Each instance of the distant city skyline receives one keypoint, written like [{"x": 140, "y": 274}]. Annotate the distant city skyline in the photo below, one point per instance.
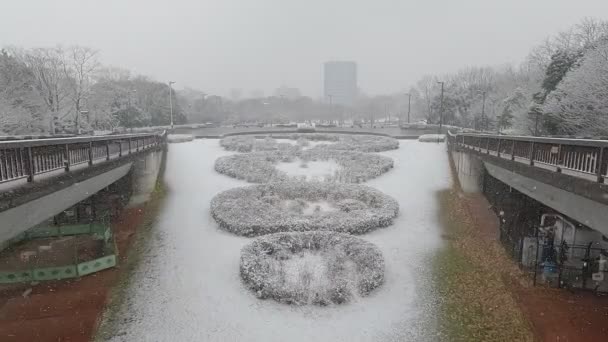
[{"x": 215, "y": 46}]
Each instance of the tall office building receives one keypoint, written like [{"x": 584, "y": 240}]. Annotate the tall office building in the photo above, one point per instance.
[{"x": 340, "y": 82}]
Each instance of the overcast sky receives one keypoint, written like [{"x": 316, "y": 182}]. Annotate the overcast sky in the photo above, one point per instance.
[{"x": 217, "y": 45}]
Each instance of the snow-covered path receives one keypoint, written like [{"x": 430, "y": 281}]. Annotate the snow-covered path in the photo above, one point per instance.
[{"x": 188, "y": 288}]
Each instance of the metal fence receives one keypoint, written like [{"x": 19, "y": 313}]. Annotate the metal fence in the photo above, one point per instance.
[
  {"x": 584, "y": 158},
  {"x": 28, "y": 158}
]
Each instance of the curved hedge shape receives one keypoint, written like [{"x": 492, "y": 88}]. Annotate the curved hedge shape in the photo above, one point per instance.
[
  {"x": 179, "y": 138},
  {"x": 311, "y": 267},
  {"x": 343, "y": 142},
  {"x": 260, "y": 167},
  {"x": 298, "y": 206},
  {"x": 249, "y": 143},
  {"x": 432, "y": 138}
]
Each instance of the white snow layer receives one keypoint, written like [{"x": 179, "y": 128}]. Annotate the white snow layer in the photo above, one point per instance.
[{"x": 187, "y": 286}]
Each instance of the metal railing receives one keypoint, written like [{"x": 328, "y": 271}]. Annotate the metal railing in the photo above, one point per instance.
[
  {"x": 584, "y": 158},
  {"x": 28, "y": 158}
]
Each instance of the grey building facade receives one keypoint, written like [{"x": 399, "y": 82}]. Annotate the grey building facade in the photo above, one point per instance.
[{"x": 340, "y": 82}]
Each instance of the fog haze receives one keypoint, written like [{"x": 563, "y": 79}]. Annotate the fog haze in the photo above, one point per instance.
[{"x": 217, "y": 45}]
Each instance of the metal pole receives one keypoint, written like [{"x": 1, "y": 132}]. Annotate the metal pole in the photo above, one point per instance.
[
  {"x": 441, "y": 108},
  {"x": 331, "y": 106},
  {"x": 409, "y": 105},
  {"x": 171, "y": 102},
  {"x": 483, "y": 113}
]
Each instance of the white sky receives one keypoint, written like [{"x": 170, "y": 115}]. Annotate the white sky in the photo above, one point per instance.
[{"x": 217, "y": 45}]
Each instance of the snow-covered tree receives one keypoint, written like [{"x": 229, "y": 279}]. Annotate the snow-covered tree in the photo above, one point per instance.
[{"x": 580, "y": 102}]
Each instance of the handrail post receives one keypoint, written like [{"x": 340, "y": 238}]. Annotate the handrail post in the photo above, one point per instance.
[
  {"x": 513, "y": 150},
  {"x": 66, "y": 162},
  {"x": 107, "y": 150},
  {"x": 90, "y": 153},
  {"x": 498, "y": 148},
  {"x": 31, "y": 168},
  {"x": 560, "y": 158},
  {"x": 600, "y": 166},
  {"x": 119, "y": 148},
  {"x": 488, "y": 146},
  {"x": 532, "y": 152},
  {"x": 129, "y": 140}
]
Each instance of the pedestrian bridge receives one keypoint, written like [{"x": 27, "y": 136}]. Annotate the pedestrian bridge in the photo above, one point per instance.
[
  {"x": 39, "y": 178},
  {"x": 567, "y": 175}
]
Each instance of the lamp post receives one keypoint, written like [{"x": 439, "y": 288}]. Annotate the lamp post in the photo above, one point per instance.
[
  {"x": 171, "y": 102},
  {"x": 331, "y": 106},
  {"x": 409, "y": 105},
  {"x": 441, "y": 108},
  {"x": 483, "y": 112}
]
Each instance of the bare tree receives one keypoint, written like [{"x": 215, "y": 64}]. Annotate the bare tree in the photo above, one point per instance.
[
  {"x": 79, "y": 65},
  {"x": 49, "y": 81}
]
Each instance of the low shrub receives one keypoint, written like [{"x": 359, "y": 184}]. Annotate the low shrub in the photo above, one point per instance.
[
  {"x": 260, "y": 167},
  {"x": 311, "y": 267},
  {"x": 179, "y": 138},
  {"x": 249, "y": 143},
  {"x": 432, "y": 138},
  {"x": 342, "y": 142},
  {"x": 303, "y": 206}
]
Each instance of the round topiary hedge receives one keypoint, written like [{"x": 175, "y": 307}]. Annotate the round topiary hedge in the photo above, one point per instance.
[
  {"x": 311, "y": 267},
  {"x": 249, "y": 143},
  {"x": 179, "y": 138},
  {"x": 261, "y": 167},
  {"x": 303, "y": 206},
  {"x": 342, "y": 142}
]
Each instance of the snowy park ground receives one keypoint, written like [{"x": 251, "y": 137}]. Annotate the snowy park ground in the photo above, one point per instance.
[{"x": 188, "y": 288}]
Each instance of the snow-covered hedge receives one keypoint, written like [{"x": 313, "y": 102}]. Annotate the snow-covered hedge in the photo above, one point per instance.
[
  {"x": 260, "y": 167},
  {"x": 432, "y": 138},
  {"x": 179, "y": 138},
  {"x": 351, "y": 142},
  {"x": 343, "y": 142},
  {"x": 311, "y": 267},
  {"x": 303, "y": 206},
  {"x": 249, "y": 143}
]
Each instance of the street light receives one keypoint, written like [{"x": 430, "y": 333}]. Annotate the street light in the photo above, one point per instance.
[
  {"x": 331, "y": 106},
  {"x": 483, "y": 112},
  {"x": 171, "y": 102},
  {"x": 441, "y": 108},
  {"x": 409, "y": 104}
]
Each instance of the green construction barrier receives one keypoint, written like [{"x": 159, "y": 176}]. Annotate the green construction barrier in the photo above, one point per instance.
[
  {"x": 42, "y": 232},
  {"x": 96, "y": 265},
  {"x": 98, "y": 229},
  {"x": 55, "y": 273},
  {"x": 75, "y": 229},
  {"x": 11, "y": 277}
]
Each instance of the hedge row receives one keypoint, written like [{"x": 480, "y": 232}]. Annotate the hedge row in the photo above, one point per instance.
[
  {"x": 342, "y": 267},
  {"x": 260, "y": 167},
  {"x": 279, "y": 207},
  {"x": 342, "y": 142}
]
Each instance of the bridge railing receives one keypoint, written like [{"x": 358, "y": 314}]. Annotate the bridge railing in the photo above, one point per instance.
[
  {"x": 583, "y": 158},
  {"x": 28, "y": 158}
]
